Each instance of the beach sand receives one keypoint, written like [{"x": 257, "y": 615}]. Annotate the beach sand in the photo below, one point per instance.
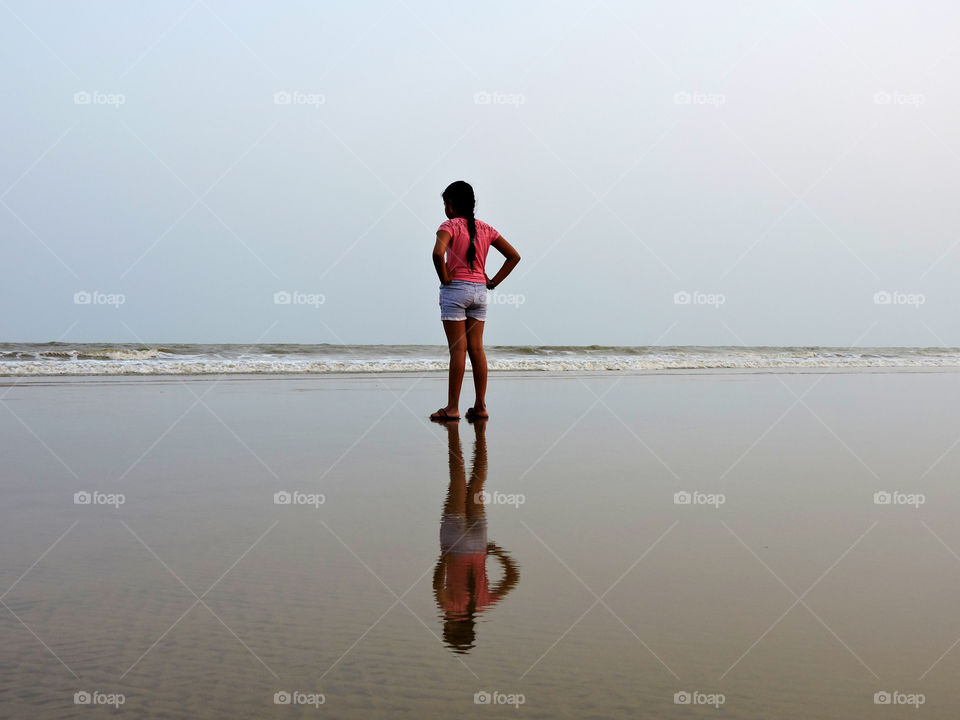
[{"x": 199, "y": 597}]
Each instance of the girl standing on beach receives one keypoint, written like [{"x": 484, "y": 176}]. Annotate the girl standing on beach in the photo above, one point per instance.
[{"x": 459, "y": 257}]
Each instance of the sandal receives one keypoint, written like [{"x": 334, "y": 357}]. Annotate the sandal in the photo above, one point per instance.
[
  {"x": 472, "y": 415},
  {"x": 441, "y": 416}
]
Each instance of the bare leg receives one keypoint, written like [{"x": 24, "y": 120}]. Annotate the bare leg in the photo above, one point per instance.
[
  {"x": 457, "y": 342},
  {"x": 478, "y": 359},
  {"x": 457, "y": 492}
]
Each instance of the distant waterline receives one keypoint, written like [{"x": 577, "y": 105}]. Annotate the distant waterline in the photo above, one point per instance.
[{"x": 37, "y": 359}]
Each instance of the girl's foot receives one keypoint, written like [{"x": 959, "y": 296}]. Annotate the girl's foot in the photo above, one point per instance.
[
  {"x": 475, "y": 413},
  {"x": 442, "y": 415}
]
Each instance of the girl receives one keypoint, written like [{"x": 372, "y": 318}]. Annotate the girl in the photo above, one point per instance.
[
  {"x": 459, "y": 257},
  {"x": 461, "y": 586}
]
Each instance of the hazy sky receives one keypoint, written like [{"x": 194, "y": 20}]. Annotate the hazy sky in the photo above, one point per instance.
[{"x": 781, "y": 162}]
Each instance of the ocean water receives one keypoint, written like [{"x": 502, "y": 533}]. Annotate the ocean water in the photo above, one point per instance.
[{"x": 37, "y": 359}]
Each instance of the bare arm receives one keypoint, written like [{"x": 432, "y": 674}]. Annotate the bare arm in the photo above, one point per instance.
[
  {"x": 511, "y": 575},
  {"x": 512, "y": 259},
  {"x": 439, "y": 253}
]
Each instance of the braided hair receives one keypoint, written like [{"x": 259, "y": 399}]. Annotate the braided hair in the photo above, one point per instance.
[{"x": 459, "y": 195}]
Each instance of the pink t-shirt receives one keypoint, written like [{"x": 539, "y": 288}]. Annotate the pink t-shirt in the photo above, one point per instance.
[{"x": 460, "y": 242}]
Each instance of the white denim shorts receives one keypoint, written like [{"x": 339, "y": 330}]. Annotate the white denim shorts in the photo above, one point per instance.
[
  {"x": 460, "y": 534},
  {"x": 460, "y": 299}
]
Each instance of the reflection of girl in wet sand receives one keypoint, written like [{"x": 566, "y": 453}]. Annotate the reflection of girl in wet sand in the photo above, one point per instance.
[{"x": 460, "y": 583}]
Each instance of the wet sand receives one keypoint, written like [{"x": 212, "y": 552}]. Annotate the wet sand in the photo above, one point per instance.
[{"x": 199, "y": 597}]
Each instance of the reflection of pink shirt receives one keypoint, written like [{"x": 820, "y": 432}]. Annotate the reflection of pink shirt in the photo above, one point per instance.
[
  {"x": 457, "y": 250},
  {"x": 466, "y": 580}
]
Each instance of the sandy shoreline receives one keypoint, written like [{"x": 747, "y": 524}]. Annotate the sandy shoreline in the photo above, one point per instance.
[
  {"x": 696, "y": 597},
  {"x": 8, "y": 380}
]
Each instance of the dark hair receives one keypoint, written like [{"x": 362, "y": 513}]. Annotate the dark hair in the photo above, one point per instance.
[
  {"x": 459, "y": 634},
  {"x": 460, "y": 196}
]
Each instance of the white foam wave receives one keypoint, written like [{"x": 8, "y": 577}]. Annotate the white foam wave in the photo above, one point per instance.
[{"x": 155, "y": 362}]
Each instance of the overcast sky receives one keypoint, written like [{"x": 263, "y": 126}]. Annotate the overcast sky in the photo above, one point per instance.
[{"x": 779, "y": 162}]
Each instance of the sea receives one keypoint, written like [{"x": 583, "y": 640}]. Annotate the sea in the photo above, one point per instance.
[{"x": 57, "y": 358}]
